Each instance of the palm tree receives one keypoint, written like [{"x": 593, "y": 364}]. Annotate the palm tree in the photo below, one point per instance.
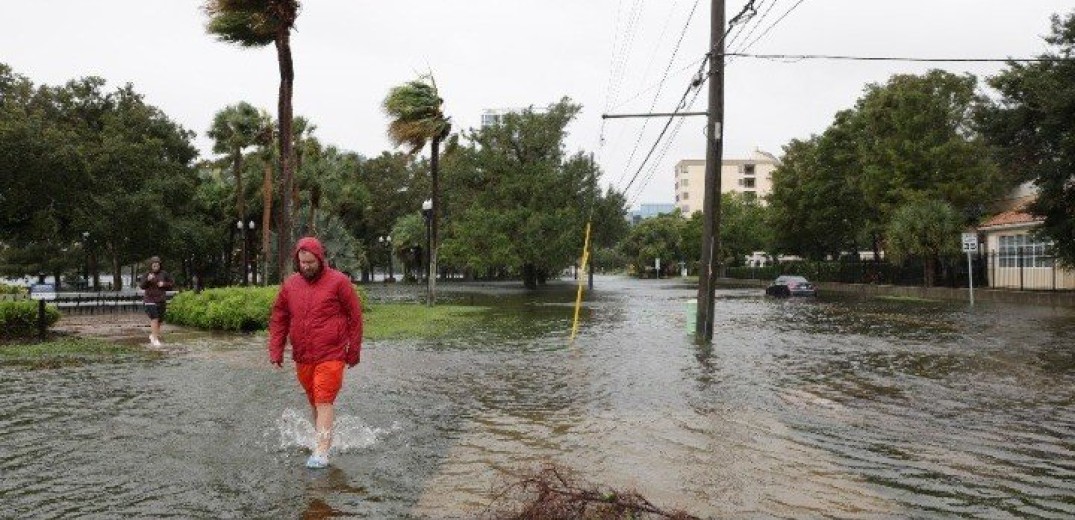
[
  {"x": 265, "y": 154},
  {"x": 306, "y": 146},
  {"x": 234, "y": 129},
  {"x": 417, "y": 118},
  {"x": 257, "y": 23}
]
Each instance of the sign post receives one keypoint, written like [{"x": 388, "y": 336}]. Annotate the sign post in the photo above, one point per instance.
[{"x": 970, "y": 245}]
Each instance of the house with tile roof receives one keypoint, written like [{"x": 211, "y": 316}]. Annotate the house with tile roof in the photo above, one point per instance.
[{"x": 1016, "y": 259}]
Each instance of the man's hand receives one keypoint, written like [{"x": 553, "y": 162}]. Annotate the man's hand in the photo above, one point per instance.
[
  {"x": 160, "y": 284},
  {"x": 150, "y": 276}
]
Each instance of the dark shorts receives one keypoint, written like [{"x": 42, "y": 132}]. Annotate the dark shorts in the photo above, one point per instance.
[{"x": 155, "y": 311}]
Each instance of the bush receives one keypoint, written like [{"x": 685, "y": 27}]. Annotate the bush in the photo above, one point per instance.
[
  {"x": 19, "y": 319},
  {"x": 240, "y": 309},
  {"x": 12, "y": 289}
]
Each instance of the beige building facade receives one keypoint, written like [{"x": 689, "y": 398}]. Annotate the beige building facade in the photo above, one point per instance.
[
  {"x": 752, "y": 176},
  {"x": 1015, "y": 257}
]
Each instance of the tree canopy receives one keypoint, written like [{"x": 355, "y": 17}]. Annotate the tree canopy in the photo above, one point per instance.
[{"x": 1032, "y": 128}]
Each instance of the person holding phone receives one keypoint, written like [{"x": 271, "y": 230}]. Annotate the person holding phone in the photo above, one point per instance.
[{"x": 156, "y": 284}]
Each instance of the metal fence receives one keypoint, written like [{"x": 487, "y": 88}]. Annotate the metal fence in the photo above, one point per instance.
[
  {"x": 1023, "y": 269},
  {"x": 89, "y": 302}
]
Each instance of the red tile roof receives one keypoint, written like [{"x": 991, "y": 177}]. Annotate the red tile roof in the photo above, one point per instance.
[{"x": 1009, "y": 218}]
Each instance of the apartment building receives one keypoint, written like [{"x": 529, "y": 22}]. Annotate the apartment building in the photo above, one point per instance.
[
  {"x": 494, "y": 116},
  {"x": 752, "y": 176}
]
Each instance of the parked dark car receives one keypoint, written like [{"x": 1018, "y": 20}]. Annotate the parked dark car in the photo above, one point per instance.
[{"x": 791, "y": 286}]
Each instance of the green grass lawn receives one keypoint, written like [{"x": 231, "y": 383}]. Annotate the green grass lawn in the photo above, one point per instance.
[
  {"x": 416, "y": 321},
  {"x": 385, "y": 321},
  {"x": 66, "y": 351}
]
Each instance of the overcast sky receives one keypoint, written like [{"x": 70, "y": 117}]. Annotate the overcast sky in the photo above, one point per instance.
[{"x": 605, "y": 54}]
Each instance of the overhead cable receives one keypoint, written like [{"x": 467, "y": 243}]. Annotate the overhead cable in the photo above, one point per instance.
[{"x": 800, "y": 57}]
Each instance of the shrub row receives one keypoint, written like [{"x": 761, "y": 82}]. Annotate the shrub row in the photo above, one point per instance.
[
  {"x": 240, "y": 309},
  {"x": 12, "y": 289},
  {"x": 19, "y": 319}
]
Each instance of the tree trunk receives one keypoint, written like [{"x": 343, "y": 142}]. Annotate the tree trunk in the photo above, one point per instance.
[
  {"x": 529, "y": 276},
  {"x": 287, "y": 173},
  {"x": 117, "y": 273},
  {"x": 929, "y": 270},
  {"x": 240, "y": 196},
  {"x": 434, "y": 165},
  {"x": 266, "y": 221}
]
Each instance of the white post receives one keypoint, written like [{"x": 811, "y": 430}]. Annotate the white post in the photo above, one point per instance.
[
  {"x": 970, "y": 278},
  {"x": 970, "y": 245}
]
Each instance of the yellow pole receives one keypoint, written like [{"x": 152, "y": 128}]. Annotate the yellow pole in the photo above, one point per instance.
[{"x": 581, "y": 276}]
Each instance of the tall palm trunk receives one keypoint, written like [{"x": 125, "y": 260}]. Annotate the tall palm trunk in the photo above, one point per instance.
[
  {"x": 434, "y": 166},
  {"x": 266, "y": 220},
  {"x": 237, "y": 171},
  {"x": 287, "y": 79}
]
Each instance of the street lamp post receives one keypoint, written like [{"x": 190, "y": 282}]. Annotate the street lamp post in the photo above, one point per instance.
[
  {"x": 242, "y": 238},
  {"x": 427, "y": 214},
  {"x": 252, "y": 259},
  {"x": 86, "y": 258},
  {"x": 245, "y": 232},
  {"x": 386, "y": 241}
]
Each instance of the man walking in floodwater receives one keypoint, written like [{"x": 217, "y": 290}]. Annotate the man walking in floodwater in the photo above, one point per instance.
[
  {"x": 156, "y": 284},
  {"x": 319, "y": 311}
]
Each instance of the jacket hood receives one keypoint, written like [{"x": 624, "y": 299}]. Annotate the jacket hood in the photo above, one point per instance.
[{"x": 310, "y": 245}]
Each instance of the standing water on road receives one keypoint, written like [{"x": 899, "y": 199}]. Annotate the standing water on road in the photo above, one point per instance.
[{"x": 799, "y": 408}]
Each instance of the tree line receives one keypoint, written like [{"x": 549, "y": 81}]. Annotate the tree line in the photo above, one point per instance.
[
  {"x": 96, "y": 180},
  {"x": 916, "y": 161},
  {"x": 101, "y": 179}
]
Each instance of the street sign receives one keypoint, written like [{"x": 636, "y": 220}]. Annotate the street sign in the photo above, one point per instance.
[
  {"x": 970, "y": 242},
  {"x": 43, "y": 291},
  {"x": 970, "y": 245}
]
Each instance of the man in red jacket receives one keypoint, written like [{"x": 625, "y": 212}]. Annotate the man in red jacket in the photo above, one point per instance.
[{"x": 318, "y": 310}]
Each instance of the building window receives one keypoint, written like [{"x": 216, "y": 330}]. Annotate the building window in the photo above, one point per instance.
[
  {"x": 683, "y": 182},
  {"x": 747, "y": 169},
  {"x": 1022, "y": 251},
  {"x": 747, "y": 183},
  {"x": 684, "y": 196}
]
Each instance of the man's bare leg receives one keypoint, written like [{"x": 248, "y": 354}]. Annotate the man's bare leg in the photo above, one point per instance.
[{"x": 324, "y": 416}]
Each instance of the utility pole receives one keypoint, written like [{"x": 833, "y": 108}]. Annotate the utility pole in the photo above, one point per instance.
[{"x": 713, "y": 156}]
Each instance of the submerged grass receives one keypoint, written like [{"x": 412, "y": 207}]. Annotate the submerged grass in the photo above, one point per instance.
[
  {"x": 65, "y": 351},
  {"x": 417, "y": 321},
  {"x": 905, "y": 299}
]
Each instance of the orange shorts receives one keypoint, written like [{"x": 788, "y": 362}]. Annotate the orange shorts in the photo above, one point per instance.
[{"x": 322, "y": 381}]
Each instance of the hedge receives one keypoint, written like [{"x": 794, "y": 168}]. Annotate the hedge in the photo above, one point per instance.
[
  {"x": 240, "y": 309},
  {"x": 19, "y": 319}
]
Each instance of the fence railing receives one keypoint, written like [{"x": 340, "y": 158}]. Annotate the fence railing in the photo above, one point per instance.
[
  {"x": 1018, "y": 270},
  {"x": 89, "y": 302}
]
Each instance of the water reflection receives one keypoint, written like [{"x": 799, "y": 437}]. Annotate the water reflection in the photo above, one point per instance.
[{"x": 799, "y": 408}]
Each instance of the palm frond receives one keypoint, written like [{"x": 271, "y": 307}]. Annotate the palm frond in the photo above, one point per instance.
[{"x": 417, "y": 117}]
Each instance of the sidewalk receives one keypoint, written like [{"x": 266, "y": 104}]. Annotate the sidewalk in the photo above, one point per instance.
[{"x": 1048, "y": 298}]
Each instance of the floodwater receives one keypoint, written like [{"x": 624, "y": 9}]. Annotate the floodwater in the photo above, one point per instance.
[{"x": 801, "y": 408}]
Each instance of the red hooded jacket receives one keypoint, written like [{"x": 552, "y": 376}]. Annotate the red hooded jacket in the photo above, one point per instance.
[{"x": 322, "y": 317}]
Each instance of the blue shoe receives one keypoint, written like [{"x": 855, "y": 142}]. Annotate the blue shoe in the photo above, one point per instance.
[{"x": 317, "y": 461}]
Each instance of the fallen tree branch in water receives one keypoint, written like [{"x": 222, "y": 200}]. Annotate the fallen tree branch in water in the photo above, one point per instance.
[{"x": 554, "y": 493}]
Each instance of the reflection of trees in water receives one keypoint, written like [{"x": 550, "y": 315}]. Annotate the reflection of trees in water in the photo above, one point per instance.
[{"x": 333, "y": 482}]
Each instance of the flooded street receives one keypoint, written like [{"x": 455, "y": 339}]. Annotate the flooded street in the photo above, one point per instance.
[{"x": 800, "y": 408}]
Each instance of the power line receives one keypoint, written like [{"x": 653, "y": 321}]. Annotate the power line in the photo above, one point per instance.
[
  {"x": 741, "y": 28},
  {"x": 667, "y": 69},
  {"x": 756, "y": 25},
  {"x": 800, "y": 57},
  {"x": 748, "y": 8},
  {"x": 770, "y": 28}
]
